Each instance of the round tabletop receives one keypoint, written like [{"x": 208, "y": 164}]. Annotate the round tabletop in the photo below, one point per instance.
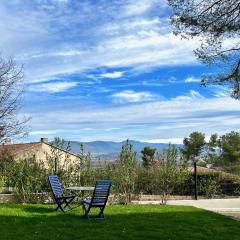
[{"x": 82, "y": 188}]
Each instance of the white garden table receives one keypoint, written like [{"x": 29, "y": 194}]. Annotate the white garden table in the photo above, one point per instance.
[{"x": 81, "y": 189}]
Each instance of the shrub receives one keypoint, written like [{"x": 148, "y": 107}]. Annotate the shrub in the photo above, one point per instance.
[
  {"x": 2, "y": 183},
  {"x": 125, "y": 177},
  {"x": 29, "y": 176},
  {"x": 209, "y": 187}
]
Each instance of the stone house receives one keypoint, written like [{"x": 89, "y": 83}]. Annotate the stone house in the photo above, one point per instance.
[{"x": 42, "y": 151}]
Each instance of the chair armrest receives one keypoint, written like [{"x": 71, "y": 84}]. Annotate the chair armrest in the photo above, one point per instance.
[
  {"x": 87, "y": 201},
  {"x": 66, "y": 197}
]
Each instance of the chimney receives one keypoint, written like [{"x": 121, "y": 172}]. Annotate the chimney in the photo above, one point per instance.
[{"x": 44, "y": 140}]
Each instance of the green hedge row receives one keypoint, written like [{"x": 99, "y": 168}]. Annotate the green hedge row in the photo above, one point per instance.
[{"x": 210, "y": 184}]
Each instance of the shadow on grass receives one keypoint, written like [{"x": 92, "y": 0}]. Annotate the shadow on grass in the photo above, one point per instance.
[
  {"x": 51, "y": 209},
  {"x": 121, "y": 223},
  {"x": 38, "y": 209}
]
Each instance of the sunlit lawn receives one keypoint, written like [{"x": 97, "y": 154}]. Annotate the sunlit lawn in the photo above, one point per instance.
[{"x": 122, "y": 222}]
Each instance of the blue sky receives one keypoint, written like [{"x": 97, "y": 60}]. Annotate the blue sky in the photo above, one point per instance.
[{"x": 110, "y": 70}]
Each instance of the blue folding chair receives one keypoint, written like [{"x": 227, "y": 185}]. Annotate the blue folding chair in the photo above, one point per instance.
[
  {"x": 59, "y": 195},
  {"x": 99, "y": 198}
]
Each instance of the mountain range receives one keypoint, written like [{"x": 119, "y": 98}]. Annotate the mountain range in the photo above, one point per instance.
[{"x": 108, "y": 150}]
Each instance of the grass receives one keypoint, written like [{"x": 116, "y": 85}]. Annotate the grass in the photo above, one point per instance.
[{"x": 122, "y": 222}]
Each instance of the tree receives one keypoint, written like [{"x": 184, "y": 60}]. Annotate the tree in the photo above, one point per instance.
[
  {"x": 6, "y": 165},
  {"x": 193, "y": 145},
  {"x": 230, "y": 150},
  {"x": 167, "y": 175},
  {"x": 148, "y": 154},
  {"x": 127, "y": 171},
  {"x": 57, "y": 159},
  {"x": 84, "y": 168},
  {"x": 11, "y": 92},
  {"x": 28, "y": 176},
  {"x": 211, "y": 150},
  {"x": 217, "y": 24}
]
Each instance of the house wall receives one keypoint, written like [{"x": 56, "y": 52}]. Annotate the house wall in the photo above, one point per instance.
[{"x": 43, "y": 152}]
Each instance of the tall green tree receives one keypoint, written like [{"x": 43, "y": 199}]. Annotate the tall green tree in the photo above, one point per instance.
[
  {"x": 216, "y": 23},
  {"x": 229, "y": 145},
  {"x": 193, "y": 145},
  {"x": 127, "y": 171},
  {"x": 28, "y": 176},
  {"x": 148, "y": 155},
  {"x": 84, "y": 168},
  {"x": 169, "y": 175},
  {"x": 7, "y": 163},
  {"x": 212, "y": 149}
]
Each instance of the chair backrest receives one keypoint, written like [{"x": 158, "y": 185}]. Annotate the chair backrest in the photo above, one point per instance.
[
  {"x": 55, "y": 186},
  {"x": 101, "y": 192}
]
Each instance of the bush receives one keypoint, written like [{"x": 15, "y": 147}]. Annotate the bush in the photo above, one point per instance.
[
  {"x": 2, "y": 183},
  {"x": 129, "y": 177},
  {"x": 125, "y": 175},
  {"x": 29, "y": 176},
  {"x": 209, "y": 187}
]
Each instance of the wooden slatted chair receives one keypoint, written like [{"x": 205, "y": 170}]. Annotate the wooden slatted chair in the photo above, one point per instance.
[
  {"x": 99, "y": 198},
  {"x": 58, "y": 194}
]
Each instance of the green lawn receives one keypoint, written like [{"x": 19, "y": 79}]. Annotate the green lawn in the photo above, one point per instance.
[{"x": 122, "y": 222}]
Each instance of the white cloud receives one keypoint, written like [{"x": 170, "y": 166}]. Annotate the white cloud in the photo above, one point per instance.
[
  {"x": 53, "y": 87},
  {"x": 55, "y": 39},
  {"x": 79, "y": 40},
  {"x": 112, "y": 129},
  {"x": 112, "y": 75},
  {"x": 192, "y": 79},
  {"x": 133, "y": 97},
  {"x": 133, "y": 24},
  {"x": 140, "y": 7},
  {"x": 87, "y": 129},
  {"x": 147, "y": 51},
  {"x": 43, "y": 132},
  {"x": 166, "y": 119},
  {"x": 194, "y": 93},
  {"x": 220, "y": 91},
  {"x": 191, "y": 95},
  {"x": 222, "y": 94}
]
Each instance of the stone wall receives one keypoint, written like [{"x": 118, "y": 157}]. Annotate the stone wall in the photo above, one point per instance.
[
  {"x": 47, "y": 198},
  {"x": 33, "y": 198},
  {"x": 9, "y": 198}
]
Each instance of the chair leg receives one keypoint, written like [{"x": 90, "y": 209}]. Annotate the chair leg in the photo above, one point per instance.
[
  {"x": 86, "y": 212},
  {"x": 59, "y": 205},
  {"x": 101, "y": 214},
  {"x": 67, "y": 204}
]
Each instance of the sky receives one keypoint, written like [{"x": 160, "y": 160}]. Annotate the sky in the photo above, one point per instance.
[{"x": 110, "y": 70}]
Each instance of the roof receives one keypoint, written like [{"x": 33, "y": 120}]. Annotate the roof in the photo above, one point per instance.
[
  {"x": 27, "y": 147},
  {"x": 22, "y": 147}
]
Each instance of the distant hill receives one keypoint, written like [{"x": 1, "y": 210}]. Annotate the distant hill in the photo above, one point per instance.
[{"x": 107, "y": 150}]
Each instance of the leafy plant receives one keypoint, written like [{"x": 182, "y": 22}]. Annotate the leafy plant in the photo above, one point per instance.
[
  {"x": 126, "y": 172},
  {"x": 148, "y": 155},
  {"x": 29, "y": 176},
  {"x": 168, "y": 173},
  {"x": 84, "y": 173}
]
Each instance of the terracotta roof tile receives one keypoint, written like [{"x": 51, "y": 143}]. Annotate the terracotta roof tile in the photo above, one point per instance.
[{"x": 18, "y": 148}]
